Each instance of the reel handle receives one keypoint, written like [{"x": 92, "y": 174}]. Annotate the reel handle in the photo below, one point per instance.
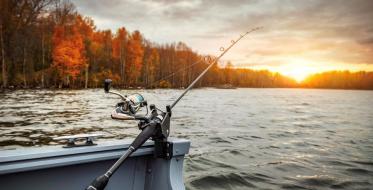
[{"x": 107, "y": 85}]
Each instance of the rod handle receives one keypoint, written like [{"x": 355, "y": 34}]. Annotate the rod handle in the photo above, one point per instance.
[
  {"x": 99, "y": 183},
  {"x": 144, "y": 136}
]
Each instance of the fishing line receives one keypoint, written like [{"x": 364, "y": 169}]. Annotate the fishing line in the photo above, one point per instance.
[
  {"x": 172, "y": 74},
  {"x": 224, "y": 50}
]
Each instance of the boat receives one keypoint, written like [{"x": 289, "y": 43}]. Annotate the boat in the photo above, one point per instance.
[
  {"x": 226, "y": 86},
  {"x": 61, "y": 168}
]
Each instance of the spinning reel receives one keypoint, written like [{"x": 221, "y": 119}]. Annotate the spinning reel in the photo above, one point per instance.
[
  {"x": 129, "y": 106},
  {"x": 156, "y": 119}
]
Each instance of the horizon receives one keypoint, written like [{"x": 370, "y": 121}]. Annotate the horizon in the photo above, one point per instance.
[{"x": 298, "y": 38}]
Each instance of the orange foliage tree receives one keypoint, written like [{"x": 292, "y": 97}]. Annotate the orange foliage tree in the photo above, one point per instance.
[
  {"x": 134, "y": 58},
  {"x": 151, "y": 65},
  {"x": 86, "y": 27},
  {"x": 119, "y": 51},
  {"x": 68, "y": 52}
]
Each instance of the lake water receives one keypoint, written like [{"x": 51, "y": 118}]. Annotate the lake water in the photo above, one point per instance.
[{"x": 241, "y": 138}]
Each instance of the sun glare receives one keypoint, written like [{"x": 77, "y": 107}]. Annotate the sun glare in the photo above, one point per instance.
[
  {"x": 298, "y": 70},
  {"x": 298, "y": 73}
]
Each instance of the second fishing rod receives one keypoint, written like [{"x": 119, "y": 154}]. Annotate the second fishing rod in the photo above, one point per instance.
[{"x": 155, "y": 124}]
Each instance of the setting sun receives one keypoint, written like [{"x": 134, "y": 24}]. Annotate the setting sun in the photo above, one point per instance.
[
  {"x": 298, "y": 69},
  {"x": 298, "y": 73}
]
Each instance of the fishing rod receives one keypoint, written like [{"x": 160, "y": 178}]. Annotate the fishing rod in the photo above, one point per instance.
[
  {"x": 211, "y": 64},
  {"x": 154, "y": 124}
]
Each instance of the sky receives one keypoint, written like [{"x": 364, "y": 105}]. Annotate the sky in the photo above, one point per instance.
[{"x": 299, "y": 37}]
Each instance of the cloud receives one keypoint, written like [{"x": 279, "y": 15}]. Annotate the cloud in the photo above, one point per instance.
[
  {"x": 318, "y": 30},
  {"x": 368, "y": 41}
]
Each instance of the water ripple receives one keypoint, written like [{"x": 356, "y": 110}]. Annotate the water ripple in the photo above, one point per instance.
[{"x": 241, "y": 139}]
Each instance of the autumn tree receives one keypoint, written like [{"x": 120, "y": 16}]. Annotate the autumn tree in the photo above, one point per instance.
[
  {"x": 68, "y": 53},
  {"x": 228, "y": 73},
  {"x": 119, "y": 51},
  {"x": 17, "y": 22},
  {"x": 340, "y": 80},
  {"x": 182, "y": 58},
  {"x": 150, "y": 65},
  {"x": 134, "y": 58},
  {"x": 85, "y": 26}
]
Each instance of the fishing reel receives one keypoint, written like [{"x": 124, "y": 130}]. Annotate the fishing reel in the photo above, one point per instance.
[
  {"x": 128, "y": 107},
  {"x": 156, "y": 119}
]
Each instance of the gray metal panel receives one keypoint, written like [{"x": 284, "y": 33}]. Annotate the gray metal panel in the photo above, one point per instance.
[
  {"x": 72, "y": 177},
  {"x": 64, "y": 160},
  {"x": 166, "y": 174},
  {"x": 60, "y": 169},
  {"x": 139, "y": 173},
  {"x": 42, "y": 152},
  {"x": 176, "y": 173},
  {"x": 39, "y": 158}
]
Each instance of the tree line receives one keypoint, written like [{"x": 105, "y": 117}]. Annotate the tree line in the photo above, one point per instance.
[
  {"x": 48, "y": 44},
  {"x": 340, "y": 80}
]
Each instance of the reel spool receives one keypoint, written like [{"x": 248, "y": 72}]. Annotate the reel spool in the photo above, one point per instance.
[
  {"x": 129, "y": 106},
  {"x": 134, "y": 103},
  {"x": 127, "y": 109}
]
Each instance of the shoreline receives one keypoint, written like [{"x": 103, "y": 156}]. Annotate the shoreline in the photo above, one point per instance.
[{"x": 216, "y": 87}]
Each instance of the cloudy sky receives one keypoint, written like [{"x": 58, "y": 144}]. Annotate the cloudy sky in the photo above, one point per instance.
[{"x": 298, "y": 36}]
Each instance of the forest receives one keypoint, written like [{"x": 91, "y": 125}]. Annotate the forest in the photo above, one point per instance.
[{"x": 48, "y": 44}]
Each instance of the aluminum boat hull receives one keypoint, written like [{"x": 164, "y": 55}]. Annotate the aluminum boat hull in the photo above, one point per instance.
[{"x": 58, "y": 168}]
